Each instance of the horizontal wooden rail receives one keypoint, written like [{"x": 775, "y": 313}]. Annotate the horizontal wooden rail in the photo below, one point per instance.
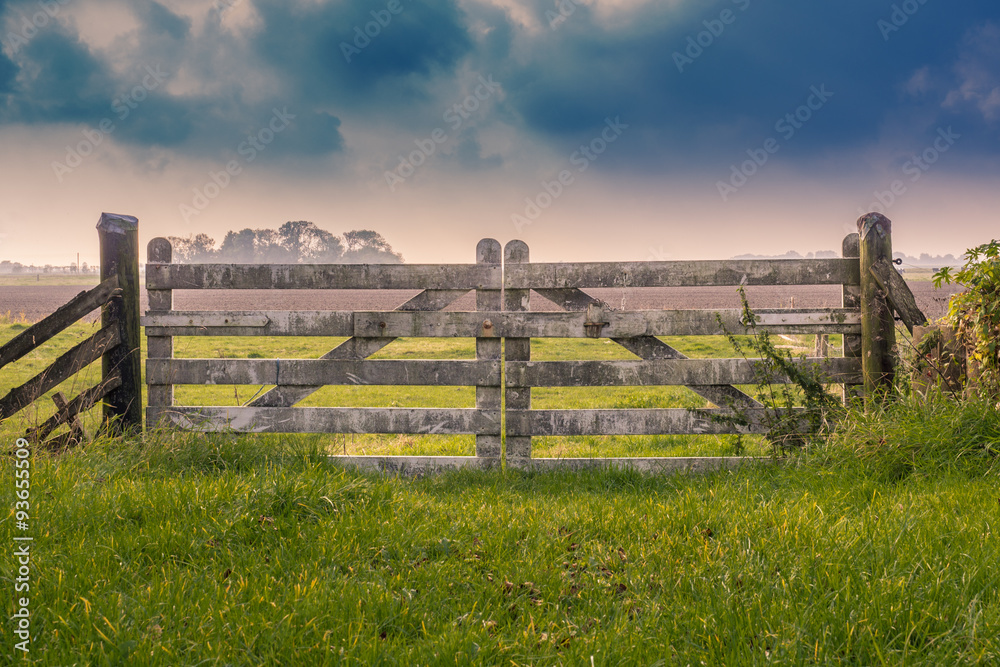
[
  {"x": 316, "y": 372},
  {"x": 489, "y": 324},
  {"x": 323, "y": 276},
  {"x": 65, "y": 316},
  {"x": 834, "y": 271},
  {"x": 668, "y": 372},
  {"x": 613, "y": 324},
  {"x": 67, "y": 364},
  {"x": 427, "y": 421},
  {"x": 336, "y": 323},
  {"x": 412, "y": 465},
  {"x": 657, "y": 421},
  {"x": 652, "y": 464}
]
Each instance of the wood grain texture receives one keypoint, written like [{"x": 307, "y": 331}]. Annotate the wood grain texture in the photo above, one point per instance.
[
  {"x": 321, "y": 372},
  {"x": 898, "y": 293},
  {"x": 488, "y": 349},
  {"x": 631, "y": 422},
  {"x": 516, "y": 397},
  {"x": 687, "y": 372},
  {"x": 427, "y": 421},
  {"x": 834, "y": 271},
  {"x": 323, "y": 276}
]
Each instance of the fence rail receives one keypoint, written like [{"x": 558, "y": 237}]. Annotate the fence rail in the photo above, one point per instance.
[
  {"x": 116, "y": 344},
  {"x": 503, "y": 321}
]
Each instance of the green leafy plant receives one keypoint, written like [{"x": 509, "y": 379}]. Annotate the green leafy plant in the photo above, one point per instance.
[
  {"x": 975, "y": 313},
  {"x": 796, "y": 412}
]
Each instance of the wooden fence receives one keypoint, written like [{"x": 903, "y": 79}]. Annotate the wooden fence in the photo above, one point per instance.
[
  {"x": 502, "y": 313},
  {"x": 116, "y": 343}
]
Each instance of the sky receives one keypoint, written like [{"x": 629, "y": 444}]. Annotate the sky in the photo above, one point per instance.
[{"x": 590, "y": 129}]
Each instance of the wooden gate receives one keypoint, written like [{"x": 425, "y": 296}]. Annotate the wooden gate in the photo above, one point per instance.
[
  {"x": 503, "y": 316},
  {"x": 638, "y": 332},
  {"x": 348, "y": 363},
  {"x": 117, "y": 344}
]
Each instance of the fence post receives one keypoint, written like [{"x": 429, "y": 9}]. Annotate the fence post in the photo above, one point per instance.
[
  {"x": 119, "y": 237},
  {"x": 878, "y": 329},
  {"x": 488, "y": 446},
  {"x": 160, "y": 397},
  {"x": 516, "y": 349},
  {"x": 851, "y": 298}
]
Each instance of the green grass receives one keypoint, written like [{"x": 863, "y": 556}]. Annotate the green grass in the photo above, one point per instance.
[
  {"x": 877, "y": 548},
  {"x": 184, "y": 549}
]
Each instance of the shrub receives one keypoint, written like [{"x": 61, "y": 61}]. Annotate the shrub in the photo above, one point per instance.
[{"x": 975, "y": 314}]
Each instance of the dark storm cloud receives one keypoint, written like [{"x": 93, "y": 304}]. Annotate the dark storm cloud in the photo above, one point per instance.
[
  {"x": 358, "y": 54},
  {"x": 56, "y": 78},
  {"x": 60, "y": 81},
  {"x": 896, "y": 68},
  {"x": 737, "y": 84}
]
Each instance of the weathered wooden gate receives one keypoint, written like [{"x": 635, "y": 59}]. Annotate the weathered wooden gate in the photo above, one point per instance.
[
  {"x": 348, "y": 363},
  {"x": 638, "y": 331},
  {"x": 502, "y": 315}
]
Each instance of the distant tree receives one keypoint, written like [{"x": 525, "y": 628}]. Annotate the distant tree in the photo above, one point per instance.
[
  {"x": 194, "y": 248},
  {"x": 239, "y": 247},
  {"x": 365, "y": 246},
  {"x": 297, "y": 241},
  {"x": 308, "y": 243},
  {"x": 293, "y": 242}
]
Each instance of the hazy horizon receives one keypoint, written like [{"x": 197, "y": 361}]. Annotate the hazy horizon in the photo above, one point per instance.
[{"x": 590, "y": 129}]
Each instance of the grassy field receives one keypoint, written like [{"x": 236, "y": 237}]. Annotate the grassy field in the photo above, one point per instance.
[
  {"x": 23, "y": 279},
  {"x": 874, "y": 549}
]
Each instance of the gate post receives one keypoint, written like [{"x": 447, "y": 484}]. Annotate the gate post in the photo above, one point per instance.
[
  {"x": 878, "y": 328},
  {"x": 119, "y": 237},
  {"x": 488, "y": 445}
]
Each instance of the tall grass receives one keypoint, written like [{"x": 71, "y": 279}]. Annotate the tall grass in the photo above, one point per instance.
[{"x": 212, "y": 549}]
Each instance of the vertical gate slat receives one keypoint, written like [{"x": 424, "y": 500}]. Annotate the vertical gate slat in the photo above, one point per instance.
[
  {"x": 159, "y": 251},
  {"x": 488, "y": 446},
  {"x": 517, "y": 349},
  {"x": 851, "y": 298}
]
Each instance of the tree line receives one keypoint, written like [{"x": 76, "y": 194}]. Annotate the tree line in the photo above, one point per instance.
[{"x": 298, "y": 242}]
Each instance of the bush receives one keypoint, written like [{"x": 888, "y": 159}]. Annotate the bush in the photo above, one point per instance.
[{"x": 975, "y": 314}]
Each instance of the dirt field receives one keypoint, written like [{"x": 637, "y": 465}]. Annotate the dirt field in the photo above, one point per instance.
[{"x": 35, "y": 302}]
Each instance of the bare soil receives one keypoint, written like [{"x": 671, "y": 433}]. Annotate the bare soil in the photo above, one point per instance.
[{"x": 35, "y": 302}]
